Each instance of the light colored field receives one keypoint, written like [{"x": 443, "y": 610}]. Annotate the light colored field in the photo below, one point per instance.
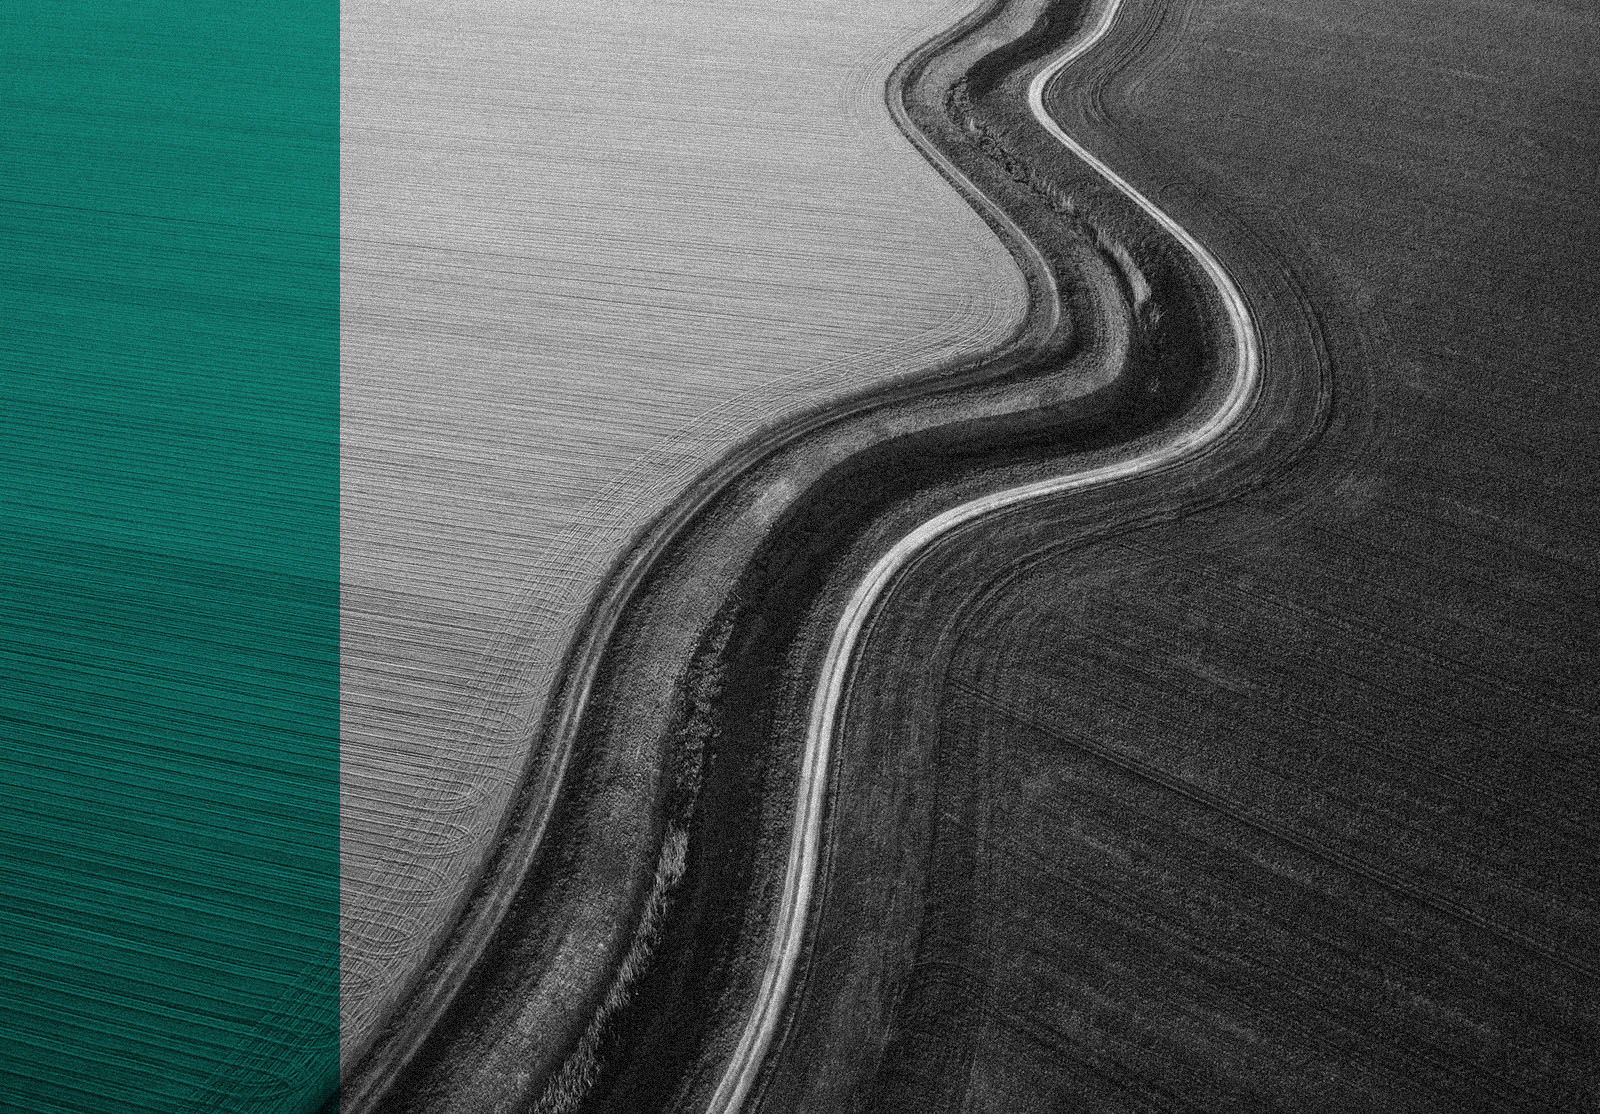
[{"x": 586, "y": 247}]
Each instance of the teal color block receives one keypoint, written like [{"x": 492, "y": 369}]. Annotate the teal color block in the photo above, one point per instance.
[{"x": 169, "y": 555}]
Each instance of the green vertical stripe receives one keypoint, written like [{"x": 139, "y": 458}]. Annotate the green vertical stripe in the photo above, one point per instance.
[{"x": 169, "y": 332}]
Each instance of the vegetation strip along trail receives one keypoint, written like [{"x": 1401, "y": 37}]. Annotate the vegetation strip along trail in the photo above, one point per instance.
[{"x": 743, "y": 1069}]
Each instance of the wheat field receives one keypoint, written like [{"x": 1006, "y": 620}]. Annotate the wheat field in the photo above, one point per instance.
[{"x": 586, "y": 248}]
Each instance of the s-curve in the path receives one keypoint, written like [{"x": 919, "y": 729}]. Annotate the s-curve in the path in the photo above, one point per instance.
[
  {"x": 553, "y": 322},
  {"x": 755, "y": 1041}
]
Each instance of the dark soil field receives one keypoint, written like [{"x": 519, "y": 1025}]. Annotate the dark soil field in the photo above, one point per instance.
[{"x": 1271, "y": 785}]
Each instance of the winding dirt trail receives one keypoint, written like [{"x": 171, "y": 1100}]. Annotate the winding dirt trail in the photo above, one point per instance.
[{"x": 756, "y": 1039}]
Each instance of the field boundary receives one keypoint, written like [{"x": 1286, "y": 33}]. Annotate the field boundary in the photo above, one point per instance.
[
  {"x": 370, "y": 1072},
  {"x": 428, "y": 1028},
  {"x": 741, "y": 1074}
]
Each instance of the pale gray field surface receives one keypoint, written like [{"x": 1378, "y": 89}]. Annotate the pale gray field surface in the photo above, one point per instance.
[{"x": 585, "y": 248}]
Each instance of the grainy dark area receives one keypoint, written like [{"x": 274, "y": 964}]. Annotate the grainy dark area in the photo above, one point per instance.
[{"x": 1270, "y": 786}]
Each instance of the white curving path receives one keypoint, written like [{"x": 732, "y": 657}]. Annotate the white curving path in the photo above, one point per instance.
[{"x": 805, "y": 845}]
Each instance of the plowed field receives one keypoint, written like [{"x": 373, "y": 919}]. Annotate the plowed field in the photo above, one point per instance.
[{"x": 1269, "y": 785}]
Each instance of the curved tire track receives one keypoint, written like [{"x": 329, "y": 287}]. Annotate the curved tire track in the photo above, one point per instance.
[{"x": 756, "y": 1039}]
